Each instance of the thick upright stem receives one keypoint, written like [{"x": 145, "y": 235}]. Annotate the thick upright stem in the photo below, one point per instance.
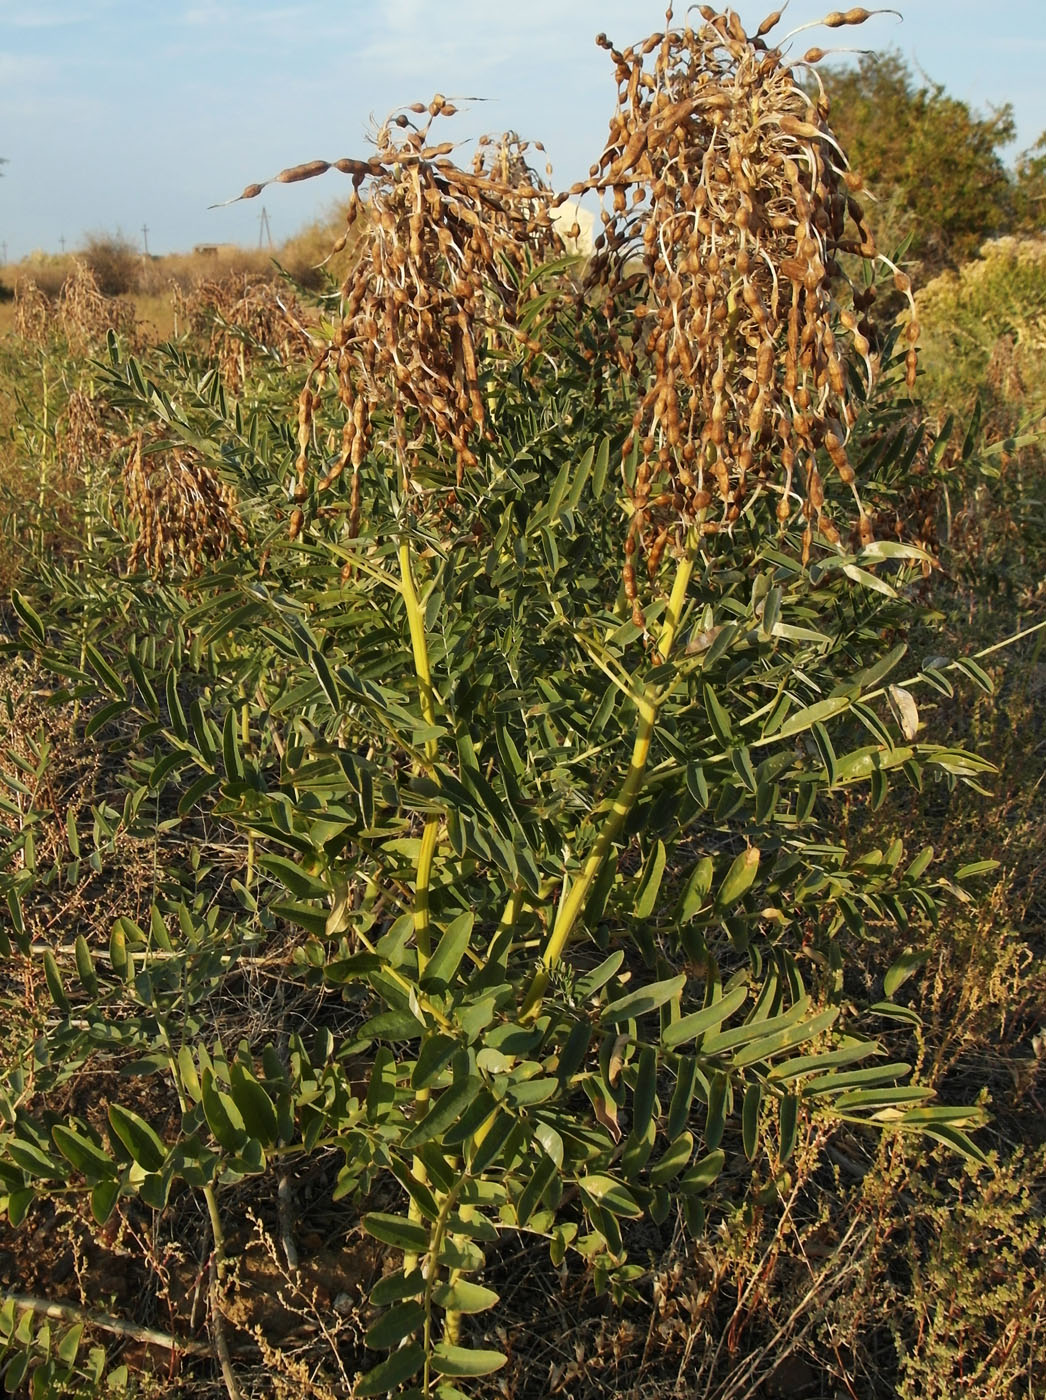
[
  {"x": 574, "y": 901},
  {"x": 221, "y": 1341},
  {"x": 430, "y": 835},
  {"x": 419, "y": 646}
]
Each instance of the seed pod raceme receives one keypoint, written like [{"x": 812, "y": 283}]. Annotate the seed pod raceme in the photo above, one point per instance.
[
  {"x": 440, "y": 255},
  {"x": 729, "y": 188}
]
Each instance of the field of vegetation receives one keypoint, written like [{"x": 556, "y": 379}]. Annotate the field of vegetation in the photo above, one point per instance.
[{"x": 521, "y": 784}]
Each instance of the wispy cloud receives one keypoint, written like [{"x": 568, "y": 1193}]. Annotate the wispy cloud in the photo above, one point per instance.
[
  {"x": 45, "y": 14},
  {"x": 27, "y": 71}
]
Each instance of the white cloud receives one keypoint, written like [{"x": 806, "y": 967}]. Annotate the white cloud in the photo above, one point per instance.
[
  {"x": 27, "y": 70},
  {"x": 44, "y": 14}
]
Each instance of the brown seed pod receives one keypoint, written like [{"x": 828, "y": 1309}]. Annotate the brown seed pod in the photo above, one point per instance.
[
  {"x": 745, "y": 214},
  {"x": 439, "y": 257},
  {"x": 183, "y": 512}
]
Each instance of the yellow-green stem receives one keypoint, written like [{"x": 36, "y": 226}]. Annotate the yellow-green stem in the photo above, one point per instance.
[
  {"x": 419, "y": 647},
  {"x": 245, "y": 739},
  {"x": 430, "y": 835},
  {"x": 574, "y": 901}
]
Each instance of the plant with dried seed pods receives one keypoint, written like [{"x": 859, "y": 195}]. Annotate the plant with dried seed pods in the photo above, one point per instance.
[{"x": 732, "y": 195}]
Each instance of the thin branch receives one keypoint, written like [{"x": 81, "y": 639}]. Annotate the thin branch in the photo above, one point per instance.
[{"x": 69, "y": 1312}]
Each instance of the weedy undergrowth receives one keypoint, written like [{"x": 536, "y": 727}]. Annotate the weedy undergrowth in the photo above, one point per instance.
[{"x": 557, "y": 854}]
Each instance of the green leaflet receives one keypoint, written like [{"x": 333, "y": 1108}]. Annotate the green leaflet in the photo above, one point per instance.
[
  {"x": 138, "y": 1137},
  {"x": 695, "y": 1024},
  {"x": 441, "y": 967},
  {"x": 643, "y": 1001},
  {"x": 84, "y": 1154},
  {"x": 403, "y": 1234},
  {"x": 448, "y": 1360}
]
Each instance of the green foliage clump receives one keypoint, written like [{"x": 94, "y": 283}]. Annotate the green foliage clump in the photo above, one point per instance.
[
  {"x": 984, "y": 333},
  {"x": 934, "y": 165}
]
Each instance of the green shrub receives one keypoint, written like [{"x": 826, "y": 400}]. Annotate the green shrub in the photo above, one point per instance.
[{"x": 485, "y": 793}]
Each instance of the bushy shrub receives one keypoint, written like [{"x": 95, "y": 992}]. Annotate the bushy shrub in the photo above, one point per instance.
[
  {"x": 984, "y": 332},
  {"x": 114, "y": 261}
]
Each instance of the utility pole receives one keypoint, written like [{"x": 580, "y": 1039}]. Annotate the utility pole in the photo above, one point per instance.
[
  {"x": 61, "y": 242},
  {"x": 4, "y": 247},
  {"x": 145, "y": 238},
  {"x": 264, "y": 230}
]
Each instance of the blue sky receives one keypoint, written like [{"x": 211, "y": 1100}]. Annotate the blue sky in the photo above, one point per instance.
[{"x": 119, "y": 113}]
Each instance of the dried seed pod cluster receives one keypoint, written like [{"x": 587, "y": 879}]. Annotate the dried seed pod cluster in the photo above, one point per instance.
[
  {"x": 440, "y": 254},
  {"x": 184, "y": 512},
  {"x": 243, "y": 317},
  {"x": 86, "y": 438},
  {"x": 34, "y": 314},
  {"x": 81, "y": 313},
  {"x": 86, "y": 314},
  {"x": 728, "y": 189}
]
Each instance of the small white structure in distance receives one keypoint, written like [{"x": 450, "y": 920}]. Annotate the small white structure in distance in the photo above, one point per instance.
[{"x": 565, "y": 217}]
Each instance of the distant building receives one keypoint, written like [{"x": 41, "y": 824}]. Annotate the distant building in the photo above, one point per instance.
[{"x": 565, "y": 217}]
